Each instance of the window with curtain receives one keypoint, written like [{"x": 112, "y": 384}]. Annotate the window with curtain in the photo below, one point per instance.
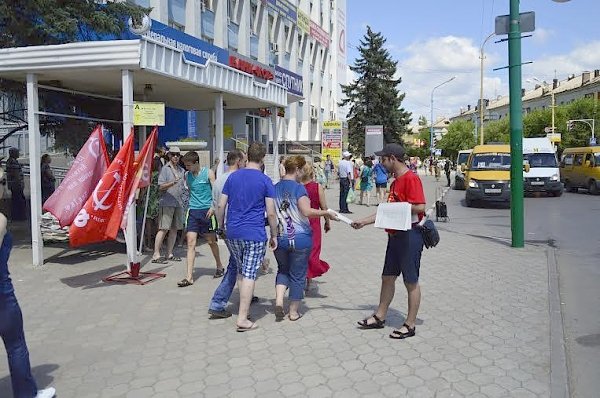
[
  {"x": 177, "y": 14},
  {"x": 254, "y": 47},
  {"x": 208, "y": 25},
  {"x": 233, "y": 31}
]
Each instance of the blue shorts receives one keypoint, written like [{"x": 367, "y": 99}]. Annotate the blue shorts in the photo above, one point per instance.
[
  {"x": 403, "y": 255},
  {"x": 196, "y": 221}
]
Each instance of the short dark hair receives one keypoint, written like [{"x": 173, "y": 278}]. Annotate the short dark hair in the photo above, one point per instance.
[
  {"x": 233, "y": 156},
  {"x": 256, "y": 152},
  {"x": 191, "y": 157}
]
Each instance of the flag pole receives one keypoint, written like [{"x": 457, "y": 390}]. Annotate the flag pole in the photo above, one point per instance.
[{"x": 144, "y": 219}]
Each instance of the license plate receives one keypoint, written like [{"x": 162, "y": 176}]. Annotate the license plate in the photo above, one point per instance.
[
  {"x": 493, "y": 190},
  {"x": 537, "y": 182}
]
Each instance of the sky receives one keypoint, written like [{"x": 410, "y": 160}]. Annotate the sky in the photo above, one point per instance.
[{"x": 434, "y": 40}]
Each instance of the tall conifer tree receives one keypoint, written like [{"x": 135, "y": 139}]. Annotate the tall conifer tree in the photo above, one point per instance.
[{"x": 373, "y": 98}]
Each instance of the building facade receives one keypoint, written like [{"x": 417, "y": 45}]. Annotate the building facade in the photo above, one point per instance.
[
  {"x": 585, "y": 85},
  {"x": 297, "y": 43}
]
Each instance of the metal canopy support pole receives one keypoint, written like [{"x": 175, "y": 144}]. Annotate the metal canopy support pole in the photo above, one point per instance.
[
  {"x": 35, "y": 179},
  {"x": 516, "y": 127},
  {"x": 275, "y": 144},
  {"x": 131, "y": 233},
  {"x": 219, "y": 130}
]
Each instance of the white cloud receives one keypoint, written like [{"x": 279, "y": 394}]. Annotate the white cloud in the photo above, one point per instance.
[
  {"x": 584, "y": 57},
  {"x": 431, "y": 62},
  {"x": 541, "y": 35}
]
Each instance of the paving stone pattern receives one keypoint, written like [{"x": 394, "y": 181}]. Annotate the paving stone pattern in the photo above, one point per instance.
[{"x": 482, "y": 329}]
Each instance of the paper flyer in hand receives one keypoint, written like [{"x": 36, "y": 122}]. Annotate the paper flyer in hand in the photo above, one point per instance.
[
  {"x": 340, "y": 217},
  {"x": 395, "y": 216}
]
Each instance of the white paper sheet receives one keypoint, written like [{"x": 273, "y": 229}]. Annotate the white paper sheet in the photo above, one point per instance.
[
  {"x": 340, "y": 217},
  {"x": 394, "y": 216}
]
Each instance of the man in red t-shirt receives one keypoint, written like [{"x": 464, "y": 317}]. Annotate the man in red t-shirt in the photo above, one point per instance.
[{"x": 403, "y": 253}]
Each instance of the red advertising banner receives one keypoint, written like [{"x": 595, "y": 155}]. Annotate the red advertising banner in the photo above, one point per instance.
[{"x": 319, "y": 34}]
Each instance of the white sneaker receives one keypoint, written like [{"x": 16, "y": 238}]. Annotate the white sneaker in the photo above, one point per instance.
[{"x": 46, "y": 393}]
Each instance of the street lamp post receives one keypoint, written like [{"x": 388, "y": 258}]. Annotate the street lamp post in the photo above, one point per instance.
[
  {"x": 481, "y": 57},
  {"x": 431, "y": 148},
  {"x": 516, "y": 125}
]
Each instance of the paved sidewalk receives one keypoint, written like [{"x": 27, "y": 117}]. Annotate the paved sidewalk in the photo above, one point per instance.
[{"x": 483, "y": 328}]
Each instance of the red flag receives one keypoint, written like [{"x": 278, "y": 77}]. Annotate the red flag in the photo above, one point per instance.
[
  {"x": 81, "y": 179},
  {"x": 143, "y": 171},
  {"x": 100, "y": 217}
]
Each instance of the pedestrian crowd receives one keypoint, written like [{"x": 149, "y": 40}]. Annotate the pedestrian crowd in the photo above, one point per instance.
[{"x": 244, "y": 208}]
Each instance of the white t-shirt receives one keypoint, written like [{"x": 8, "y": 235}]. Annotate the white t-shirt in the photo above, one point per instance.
[{"x": 345, "y": 169}]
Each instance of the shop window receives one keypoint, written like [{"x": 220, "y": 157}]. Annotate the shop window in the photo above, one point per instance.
[{"x": 177, "y": 14}]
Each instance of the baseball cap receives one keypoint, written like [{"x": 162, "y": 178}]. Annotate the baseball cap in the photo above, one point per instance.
[
  {"x": 395, "y": 150},
  {"x": 346, "y": 154},
  {"x": 174, "y": 149}
]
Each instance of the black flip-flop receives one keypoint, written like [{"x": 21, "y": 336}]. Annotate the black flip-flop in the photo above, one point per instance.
[
  {"x": 160, "y": 260},
  {"x": 173, "y": 258},
  {"x": 295, "y": 319},
  {"x": 279, "y": 313},
  {"x": 398, "y": 335},
  {"x": 184, "y": 283},
  {"x": 219, "y": 273},
  {"x": 250, "y": 328}
]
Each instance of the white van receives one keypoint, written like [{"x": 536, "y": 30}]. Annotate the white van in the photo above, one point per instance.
[{"x": 543, "y": 174}]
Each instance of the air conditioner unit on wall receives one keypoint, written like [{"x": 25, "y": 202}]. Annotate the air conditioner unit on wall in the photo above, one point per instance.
[
  {"x": 275, "y": 47},
  {"x": 314, "y": 113}
]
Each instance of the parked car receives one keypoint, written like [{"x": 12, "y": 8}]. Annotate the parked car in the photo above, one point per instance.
[{"x": 580, "y": 168}]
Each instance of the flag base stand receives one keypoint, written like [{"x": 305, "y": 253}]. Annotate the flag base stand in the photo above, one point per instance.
[{"x": 134, "y": 276}]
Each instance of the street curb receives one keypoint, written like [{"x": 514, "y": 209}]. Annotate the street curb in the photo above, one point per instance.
[{"x": 559, "y": 378}]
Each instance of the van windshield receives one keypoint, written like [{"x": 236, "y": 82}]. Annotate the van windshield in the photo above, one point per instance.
[
  {"x": 462, "y": 158},
  {"x": 491, "y": 161},
  {"x": 597, "y": 159},
  {"x": 540, "y": 159}
]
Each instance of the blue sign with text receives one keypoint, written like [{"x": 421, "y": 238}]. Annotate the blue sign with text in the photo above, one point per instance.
[
  {"x": 290, "y": 80},
  {"x": 194, "y": 49}
]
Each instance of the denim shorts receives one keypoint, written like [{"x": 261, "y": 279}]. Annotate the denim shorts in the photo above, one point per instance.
[
  {"x": 403, "y": 255},
  {"x": 197, "y": 221}
]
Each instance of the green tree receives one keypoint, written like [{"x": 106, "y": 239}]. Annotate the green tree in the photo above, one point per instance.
[
  {"x": 374, "y": 98},
  {"x": 497, "y": 131},
  {"x": 41, "y": 22},
  {"x": 459, "y": 136},
  {"x": 38, "y": 22}
]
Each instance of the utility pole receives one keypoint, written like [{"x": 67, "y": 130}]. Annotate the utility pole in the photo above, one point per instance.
[
  {"x": 481, "y": 56},
  {"x": 516, "y": 127}
]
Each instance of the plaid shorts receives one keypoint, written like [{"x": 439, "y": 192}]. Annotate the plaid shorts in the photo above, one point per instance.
[{"x": 248, "y": 255}]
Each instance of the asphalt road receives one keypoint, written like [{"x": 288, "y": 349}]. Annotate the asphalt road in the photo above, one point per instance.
[{"x": 570, "y": 223}]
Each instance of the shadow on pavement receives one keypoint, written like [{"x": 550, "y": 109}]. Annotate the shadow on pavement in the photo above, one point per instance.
[
  {"x": 41, "y": 375},
  {"x": 394, "y": 317}
]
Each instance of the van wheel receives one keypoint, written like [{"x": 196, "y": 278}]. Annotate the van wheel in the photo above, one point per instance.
[{"x": 593, "y": 188}]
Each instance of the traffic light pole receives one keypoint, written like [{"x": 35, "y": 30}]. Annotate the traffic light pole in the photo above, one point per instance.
[{"x": 516, "y": 127}]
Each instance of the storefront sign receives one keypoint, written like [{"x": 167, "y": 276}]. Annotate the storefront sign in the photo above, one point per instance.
[
  {"x": 317, "y": 33},
  {"x": 303, "y": 21},
  {"x": 331, "y": 140},
  {"x": 250, "y": 67},
  {"x": 193, "y": 49},
  {"x": 290, "y": 80},
  {"x": 373, "y": 139},
  {"x": 148, "y": 114},
  {"x": 285, "y": 8}
]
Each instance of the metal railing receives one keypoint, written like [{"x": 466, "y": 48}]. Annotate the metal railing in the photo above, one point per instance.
[
  {"x": 244, "y": 144},
  {"x": 311, "y": 151}
]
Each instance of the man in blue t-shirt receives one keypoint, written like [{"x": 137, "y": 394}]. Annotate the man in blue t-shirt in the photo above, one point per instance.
[
  {"x": 246, "y": 195},
  {"x": 381, "y": 179}
]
